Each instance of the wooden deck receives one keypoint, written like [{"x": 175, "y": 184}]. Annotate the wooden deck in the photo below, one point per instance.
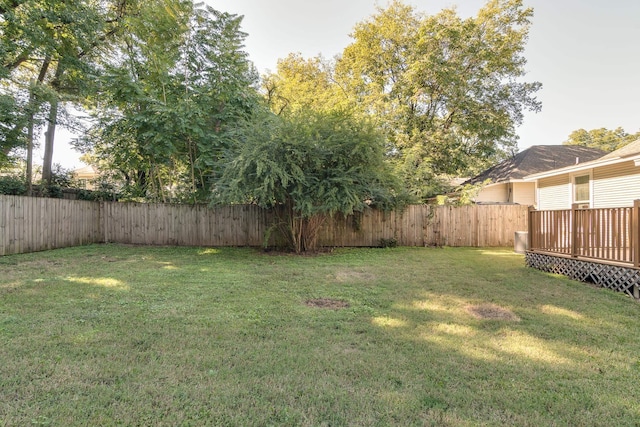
[
  {"x": 604, "y": 234},
  {"x": 600, "y": 246}
]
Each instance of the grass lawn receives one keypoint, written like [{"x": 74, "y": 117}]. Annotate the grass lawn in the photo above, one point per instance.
[{"x": 109, "y": 334}]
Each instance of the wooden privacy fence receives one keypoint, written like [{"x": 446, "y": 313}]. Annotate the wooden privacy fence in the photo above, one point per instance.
[
  {"x": 33, "y": 224},
  {"x": 605, "y": 234},
  {"x": 36, "y": 224}
]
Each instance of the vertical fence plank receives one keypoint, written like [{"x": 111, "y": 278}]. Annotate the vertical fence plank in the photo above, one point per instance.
[
  {"x": 5, "y": 212},
  {"x": 30, "y": 224}
]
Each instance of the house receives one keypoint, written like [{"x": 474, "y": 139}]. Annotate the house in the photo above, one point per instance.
[
  {"x": 613, "y": 180},
  {"x": 85, "y": 177},
  {"x": 506, "y": 179}
]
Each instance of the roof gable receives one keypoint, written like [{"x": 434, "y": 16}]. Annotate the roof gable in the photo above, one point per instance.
[{"x": 628, "y": 150}]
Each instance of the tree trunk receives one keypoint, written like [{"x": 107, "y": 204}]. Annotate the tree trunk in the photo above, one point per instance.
[
  {"x": 29, "y": 171},
  {"x": 31, "y": 124},
  {"x": 49, "y": 135}
]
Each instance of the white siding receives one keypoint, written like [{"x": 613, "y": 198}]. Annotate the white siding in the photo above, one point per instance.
[
  {"x": 493, "y": 193},
  {"x": 554, "y": 192},
  {"x": 616, "y": 185},
  {"x": 524, "y": 193}
]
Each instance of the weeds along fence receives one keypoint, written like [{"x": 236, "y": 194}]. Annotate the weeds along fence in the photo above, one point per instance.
[{"x": 35, "y": 224}]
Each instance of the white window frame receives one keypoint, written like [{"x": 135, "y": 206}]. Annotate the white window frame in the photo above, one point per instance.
[{"x": 572, "y": 193}]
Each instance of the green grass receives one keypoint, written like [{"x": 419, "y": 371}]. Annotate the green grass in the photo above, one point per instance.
[{"x": 117, "y": 335}]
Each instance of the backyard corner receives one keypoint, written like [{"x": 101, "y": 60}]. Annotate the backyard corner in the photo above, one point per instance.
[{"x": 111, "y": 334}]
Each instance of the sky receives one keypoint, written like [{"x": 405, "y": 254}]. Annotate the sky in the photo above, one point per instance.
[{"x": 586, "y": 54}]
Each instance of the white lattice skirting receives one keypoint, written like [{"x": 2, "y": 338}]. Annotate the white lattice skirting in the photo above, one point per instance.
[{"x": 617, "y": 278}]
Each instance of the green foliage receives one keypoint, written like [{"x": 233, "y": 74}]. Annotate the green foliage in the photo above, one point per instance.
[
  {"x": 462, "y": 195},
  {"x": 99, "y": 195},
  {"x": 48, "y": 55},
  {"x": 388, "y": 243},
  {"x": 309, "y": 165},
  {"x": 170, "y": 101},
  {"x": 301, "y": 84},
  {"x": 13, "y": 185},
  {"x": 10, "y": 121},
  {"x": 448, "y": 91},
  {"x": 16, "y": 185},
  {"x": 60, "y": 180},
  {"x": 602, "y": 138},
  {"x": 62, "y": 177}
]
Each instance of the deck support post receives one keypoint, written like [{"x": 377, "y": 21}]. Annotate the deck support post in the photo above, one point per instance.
[
  {"x": 574, "y": 230},
  {"x": 532, "y": 239},
  {"x": 635, "y": 232}
]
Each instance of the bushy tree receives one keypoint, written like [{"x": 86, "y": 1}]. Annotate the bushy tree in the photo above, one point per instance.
[{"x": 307, "y": 166}]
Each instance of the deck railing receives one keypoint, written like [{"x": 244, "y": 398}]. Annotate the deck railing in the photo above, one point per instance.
[{"x": 605, "y": 234}]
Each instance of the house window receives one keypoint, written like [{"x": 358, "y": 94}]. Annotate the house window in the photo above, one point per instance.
[{"x": 582, "y": 190}]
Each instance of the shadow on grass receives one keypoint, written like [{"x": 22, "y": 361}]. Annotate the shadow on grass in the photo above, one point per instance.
[
  {"x": 566, "y": 355},
  {"x": 224, "y": 336}
]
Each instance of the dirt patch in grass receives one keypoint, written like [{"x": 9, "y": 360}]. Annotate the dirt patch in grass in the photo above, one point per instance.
[
  {"x": 491, "y": 312},
  {"x": 330, "y": 303}
]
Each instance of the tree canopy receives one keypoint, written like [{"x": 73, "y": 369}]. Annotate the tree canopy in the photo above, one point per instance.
[
  {"x": 602, "y": 138},
  {"x": 163, "y": 80},
  {"x": 170, "y": 92},
  {"x": 169, "y": 100},
  {"x": 48, "y": 54},
  {"x": 302, "y": 84},
  {"x": 449, "y": 91}
]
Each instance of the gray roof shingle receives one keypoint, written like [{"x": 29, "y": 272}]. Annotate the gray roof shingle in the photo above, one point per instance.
[{"x": 536, "y": 159}]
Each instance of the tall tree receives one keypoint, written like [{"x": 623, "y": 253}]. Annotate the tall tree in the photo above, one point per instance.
[
  {"x": 60, "y": 39},
  {"x": 449, "y": 91},
  {"x": 170, "y": 98},
  {"x": 602, "y": 138}
]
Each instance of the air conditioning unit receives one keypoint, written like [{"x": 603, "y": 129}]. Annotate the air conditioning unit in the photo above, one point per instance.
[{"x": 583, "y": 206}]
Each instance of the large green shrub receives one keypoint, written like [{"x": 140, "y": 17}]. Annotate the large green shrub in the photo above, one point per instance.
[
  {"x": 13, "y": 185},
  {"x": 308, "y": 166}
]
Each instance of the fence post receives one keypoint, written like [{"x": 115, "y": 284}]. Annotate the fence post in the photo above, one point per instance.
[
  {"x": 574, "y": 230},
  {"x": 635, "y": 230}
]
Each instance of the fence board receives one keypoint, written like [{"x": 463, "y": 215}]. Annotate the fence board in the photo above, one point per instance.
[{"x": 34, "y": 224}]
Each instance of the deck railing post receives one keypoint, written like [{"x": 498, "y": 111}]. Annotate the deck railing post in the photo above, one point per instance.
[
  {"x": 635, "y": 230},
  {"x": 533, "y": 241},
  {"x": 574, "y": 230}
]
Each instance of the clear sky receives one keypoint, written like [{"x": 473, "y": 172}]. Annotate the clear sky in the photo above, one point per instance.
[{"x": 586, "y": 53}]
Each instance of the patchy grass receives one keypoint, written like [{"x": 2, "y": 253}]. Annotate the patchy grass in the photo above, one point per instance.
[{"x": 104, "y": 335}]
